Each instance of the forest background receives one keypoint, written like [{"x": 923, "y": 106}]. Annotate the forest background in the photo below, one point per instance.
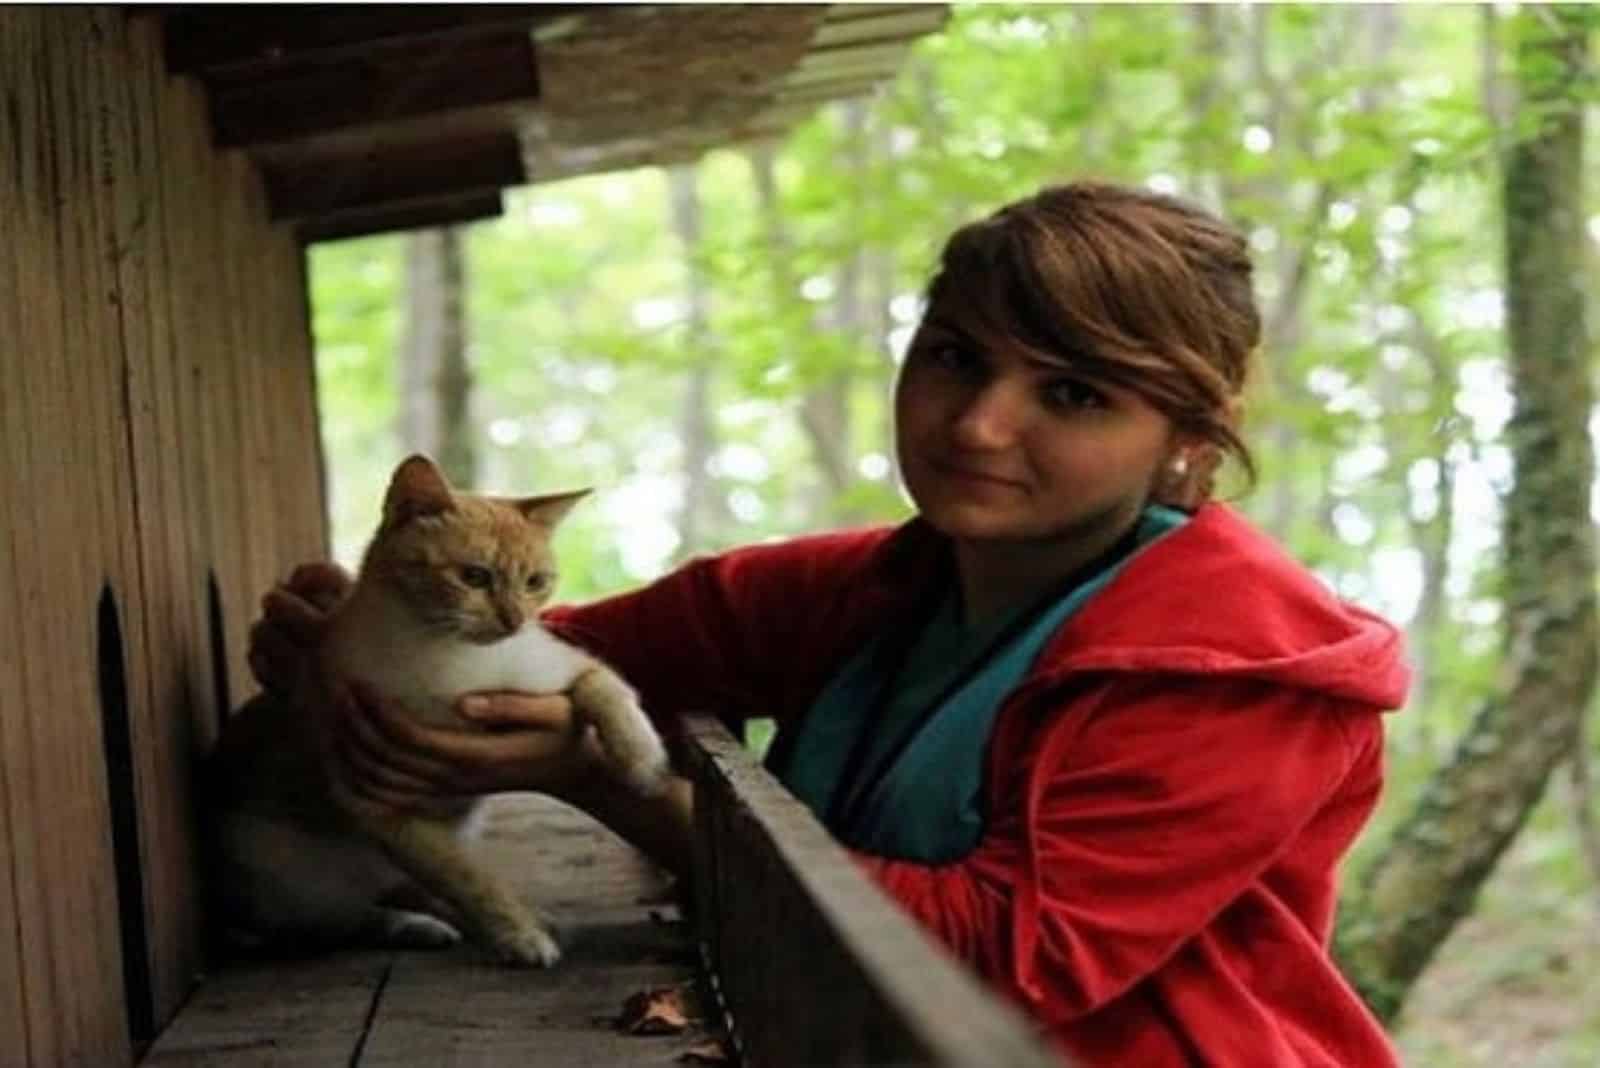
[{"x": 711, "y": 346}]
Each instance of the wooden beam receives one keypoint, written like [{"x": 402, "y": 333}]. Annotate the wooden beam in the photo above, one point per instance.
[
  {"x": 876, "y": 23},
  {"x": 812, "y": 95},
  {"x": 462, "y": 74},
  {"x": 363, "y": 222},
  {"x": 227, "y": 42},
  {"x": 879, "y": 62},
  {"x": 417, "y": 174},
  {"x": 814, "y": 964}
]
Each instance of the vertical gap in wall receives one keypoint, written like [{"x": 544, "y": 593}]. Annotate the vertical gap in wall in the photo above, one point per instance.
[
  {"x": 117, "y": 734},
  {"x": 219, "y": 650}
]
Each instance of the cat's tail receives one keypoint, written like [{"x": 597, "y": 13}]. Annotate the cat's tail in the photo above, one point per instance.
[{"x": 628, "y": 737}]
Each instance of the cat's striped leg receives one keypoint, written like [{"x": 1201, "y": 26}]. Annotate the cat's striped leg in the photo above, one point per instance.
[
  {"x": 626, "y": 734},
  {"x": 430, "y": 852}
]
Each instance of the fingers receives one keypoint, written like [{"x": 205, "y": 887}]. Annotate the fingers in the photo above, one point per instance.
[
  {"x": 281, "y": 640},
  {"x": 293, "y": 618},
  {"x": 301, "y": 621},
  {"x": 322, "y": 583},
  {"x": 551, "y": 712},
  {"x": 451, "y": 761},
  {"x": 389, "y": 738},
  {"x": 273, "y": 661},
  {"x": 388, "y": 755},
  {"x": 365, "y": 770}
]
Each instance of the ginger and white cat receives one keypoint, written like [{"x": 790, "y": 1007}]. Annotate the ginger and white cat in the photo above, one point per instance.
[{"x": 444, "y": 605}]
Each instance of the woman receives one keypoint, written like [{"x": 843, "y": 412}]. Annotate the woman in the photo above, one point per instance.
[{"x": 1100, "y": 736}]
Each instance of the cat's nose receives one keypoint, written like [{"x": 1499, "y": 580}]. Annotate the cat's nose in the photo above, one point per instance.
[{"x": 510, "y": 616}]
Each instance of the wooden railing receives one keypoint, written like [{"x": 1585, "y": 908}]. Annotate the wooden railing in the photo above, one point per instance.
[{"x": 813, "y": 964}]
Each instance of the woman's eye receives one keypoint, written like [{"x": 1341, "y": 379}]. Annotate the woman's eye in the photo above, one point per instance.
[
  {"x": 1069, "y": 394},
  {"x": 540, "y": 580},
  {"x": 479, "y": 578}
]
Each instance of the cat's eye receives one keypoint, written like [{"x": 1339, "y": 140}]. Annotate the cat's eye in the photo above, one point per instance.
[
  {"x": 540, "y": 581},
  {"x": 479, "y": 578}
]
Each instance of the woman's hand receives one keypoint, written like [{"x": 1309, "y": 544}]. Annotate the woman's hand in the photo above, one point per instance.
[
  {"x": 294, "y": 616},
  {"x": 383, "y": 758},
  {"x": 386, "y": 757}
]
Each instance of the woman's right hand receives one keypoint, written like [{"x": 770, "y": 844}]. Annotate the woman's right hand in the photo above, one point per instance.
[{"x": 294, "y": 616}]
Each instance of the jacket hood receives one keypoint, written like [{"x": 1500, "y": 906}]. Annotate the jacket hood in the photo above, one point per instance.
[{"x": 1217, "y": 597}]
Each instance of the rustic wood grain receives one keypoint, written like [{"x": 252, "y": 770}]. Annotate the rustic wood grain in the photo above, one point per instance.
[
  {"x": 816, "y": 965},
  {"x": 275, "y": 1014},
  {"x": 455, "y": 1009},
  {"x": 255, "y": 43},
  {"x": 428, "y": 80},
  {"x": 22, "y": 977},
  {"x": 67, "y": 331},
  {"x": 113, "y": 207},
  {"x": 460, "y": 166},
  {"x": 164, "y": 593},
  {"x": 450, "y": 210}
]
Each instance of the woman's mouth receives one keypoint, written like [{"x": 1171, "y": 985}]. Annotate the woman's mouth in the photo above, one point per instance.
[{"x": 967, "y": 474}]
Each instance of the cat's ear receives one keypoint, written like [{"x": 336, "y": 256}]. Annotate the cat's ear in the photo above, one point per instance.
[
  {"x": 549, "y": 510},
  {"x": 417, "y": 488}
]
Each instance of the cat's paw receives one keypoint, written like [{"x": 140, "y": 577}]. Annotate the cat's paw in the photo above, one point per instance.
[
  {"x": 648, "y": 777},
  {"x": 532, "y": 947},
  {"x": 639, "y": 758},
  {"x": 403, "y": 929}
]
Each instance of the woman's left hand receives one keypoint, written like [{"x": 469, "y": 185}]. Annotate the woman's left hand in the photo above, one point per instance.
[{"x": 388, "y": 758}]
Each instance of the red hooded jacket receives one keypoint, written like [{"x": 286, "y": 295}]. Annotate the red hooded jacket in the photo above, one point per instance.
[{"x": 1169, "y": 791}]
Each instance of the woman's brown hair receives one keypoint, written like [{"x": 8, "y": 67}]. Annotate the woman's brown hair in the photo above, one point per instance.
[{"x": 1136, "y": 288}]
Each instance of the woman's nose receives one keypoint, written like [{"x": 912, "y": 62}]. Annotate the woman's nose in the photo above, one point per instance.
[{"x": 992, "y": 416}]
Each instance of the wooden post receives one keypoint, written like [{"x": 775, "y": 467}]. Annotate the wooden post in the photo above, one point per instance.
[{"x": 813, "y": 963}]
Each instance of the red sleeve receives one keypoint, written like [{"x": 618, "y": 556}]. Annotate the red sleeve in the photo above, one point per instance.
[
  {"x": 1138, "y": 822},
  {"x": 723, "y": 635}
]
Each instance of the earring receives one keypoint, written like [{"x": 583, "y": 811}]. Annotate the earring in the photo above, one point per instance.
[{"x": 1180, "y": 465}]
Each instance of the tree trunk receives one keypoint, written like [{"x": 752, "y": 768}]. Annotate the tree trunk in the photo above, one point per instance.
[
  {"x": 435, "y": 378},
  {"x": 880, "y": 287},
  {"x": 826, "y": 409},
  {"x": 824, "y": 413},
  {"x": 1290, "y": 266},
  {"x": 1427, "y": 878},
  {"x": 1432, "y": 537},
  {"x": 696, "y": 430}
]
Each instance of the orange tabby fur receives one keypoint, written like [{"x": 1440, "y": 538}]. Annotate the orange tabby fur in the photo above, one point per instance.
[{"x": 445, "y": 604}]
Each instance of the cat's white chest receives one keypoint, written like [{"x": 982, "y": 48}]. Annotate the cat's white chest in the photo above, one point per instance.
[{"x": 428, "y": 673}]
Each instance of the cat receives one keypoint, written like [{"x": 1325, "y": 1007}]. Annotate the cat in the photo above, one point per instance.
[{"x": 444, "y": 604}]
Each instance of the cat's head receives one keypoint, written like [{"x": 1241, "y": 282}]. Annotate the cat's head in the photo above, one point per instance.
[{"x": 466, "y": 565}]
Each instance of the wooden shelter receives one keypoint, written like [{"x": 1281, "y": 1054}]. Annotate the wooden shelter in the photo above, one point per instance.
[{"x": 161, "y": 170}]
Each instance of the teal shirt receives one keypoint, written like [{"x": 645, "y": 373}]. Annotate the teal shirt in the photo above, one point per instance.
[{"x": 890, "y": 754}]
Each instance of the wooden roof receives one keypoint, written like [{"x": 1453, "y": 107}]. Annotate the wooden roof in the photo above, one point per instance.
[{"x": 367, "y": 118}]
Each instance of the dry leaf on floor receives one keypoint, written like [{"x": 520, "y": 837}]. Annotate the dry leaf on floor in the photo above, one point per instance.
[
  {"x": 708, "y": 1052},
  {"x": 662, "y": 1011}
]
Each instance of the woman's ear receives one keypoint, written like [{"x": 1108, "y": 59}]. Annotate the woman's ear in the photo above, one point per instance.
[{"x": 1187, "y": 475}]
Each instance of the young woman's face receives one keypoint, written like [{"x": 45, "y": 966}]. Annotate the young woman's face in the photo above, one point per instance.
[{"x": 1003, "y": 445}]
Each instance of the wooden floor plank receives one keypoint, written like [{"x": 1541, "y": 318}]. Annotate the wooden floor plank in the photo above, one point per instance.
[
  {"x": 457, "y": 1009},
  {"x": 280, "y": 1014},
  {"x": 458, "y": 1013}
]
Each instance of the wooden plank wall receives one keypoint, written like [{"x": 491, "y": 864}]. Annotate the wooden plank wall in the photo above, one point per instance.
[{"x": 158, "y": 422}]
